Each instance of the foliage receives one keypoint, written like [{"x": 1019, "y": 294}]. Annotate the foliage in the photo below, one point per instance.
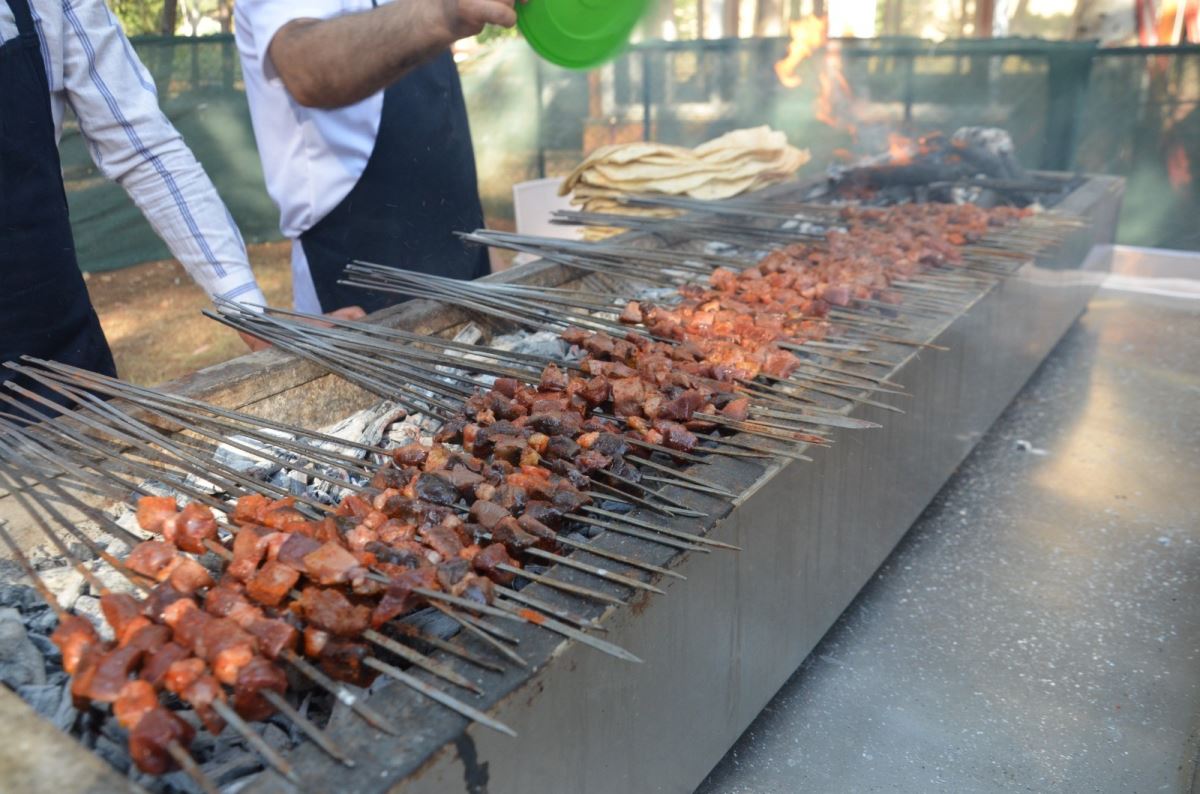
[
  {"x": 138, "y": 17},
  {"x": 493, "y": 33}
]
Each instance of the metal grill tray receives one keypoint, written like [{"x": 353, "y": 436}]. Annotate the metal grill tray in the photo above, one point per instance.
[{"x": 719, "y": 645}]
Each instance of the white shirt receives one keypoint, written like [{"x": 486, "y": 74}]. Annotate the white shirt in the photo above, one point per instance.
[
  {"x": 93, "y": 69},
  {"x": 312, "y": 158}
]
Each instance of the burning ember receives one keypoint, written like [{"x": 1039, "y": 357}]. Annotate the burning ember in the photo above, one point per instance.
[{"x": 900, "y": 149}]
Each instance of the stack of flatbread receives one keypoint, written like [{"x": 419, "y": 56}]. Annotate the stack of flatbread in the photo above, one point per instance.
[{"x": 736, "y": 163}]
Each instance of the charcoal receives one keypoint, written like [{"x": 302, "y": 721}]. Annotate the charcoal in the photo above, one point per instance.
[
  {"x": 276, "y": 737},
  {"x": 43, "y": 698},
  {"x": 19, "y": 596},
  {"x": 42, "y": 622},
  {"x": 114, "y": 753},
  {"x": 231, "y": 765},
  {"x": 20, "y": 661},
  {"x": 48, "y": 650}
]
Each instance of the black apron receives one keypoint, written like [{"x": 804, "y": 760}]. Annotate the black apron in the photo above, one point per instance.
[
  {"x": 418, "y": 189},
  {"x": 44, "y": 306}
]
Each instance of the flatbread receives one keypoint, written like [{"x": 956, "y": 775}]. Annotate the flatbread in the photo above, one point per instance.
[{"x": 740, "y": 161}]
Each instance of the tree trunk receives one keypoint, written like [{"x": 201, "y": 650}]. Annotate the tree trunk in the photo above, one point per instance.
[
  {"x": 985, "y": 17},
  {"x": 731, "y": 18},
  {"x": 225, "y": 15},
  {"x": 766, "y": 14},
  {"x": 170, "y": 17},
  {"x": 700, "y": 19}
]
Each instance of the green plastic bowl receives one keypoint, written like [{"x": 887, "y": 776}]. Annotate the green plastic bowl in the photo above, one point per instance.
[{"x": 579, "y": 34}]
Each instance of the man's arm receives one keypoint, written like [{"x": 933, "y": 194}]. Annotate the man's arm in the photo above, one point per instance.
[
  {"x": 135, "y": 145},
  {"x": 337, "y": 62}
]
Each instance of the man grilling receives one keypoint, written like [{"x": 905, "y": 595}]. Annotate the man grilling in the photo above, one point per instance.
[
  {"x": 54, "y": 54},
  {"x": 362, "y": 130}
]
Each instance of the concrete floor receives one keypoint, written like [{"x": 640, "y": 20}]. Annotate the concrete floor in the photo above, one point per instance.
[{"x": 1038, "y": 629}]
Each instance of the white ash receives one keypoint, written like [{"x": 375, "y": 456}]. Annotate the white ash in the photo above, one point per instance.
[
  {"x": 994, "y": 140},
  {"x": 546, "y": 344},
  {"x": 657, "y": 295}
]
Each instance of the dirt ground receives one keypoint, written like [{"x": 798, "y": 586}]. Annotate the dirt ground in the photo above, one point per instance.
[{"x": 151, "y": 315}]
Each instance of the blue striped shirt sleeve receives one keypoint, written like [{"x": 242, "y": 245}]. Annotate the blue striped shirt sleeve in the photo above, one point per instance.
[{"x": 135, "y": 145}]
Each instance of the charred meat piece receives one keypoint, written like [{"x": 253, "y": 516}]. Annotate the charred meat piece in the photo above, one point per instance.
[
  {"x": 509, "y": 448},
  {"x": 157, "y": 730},
  {"x": 591, "y": 461},
  {"x": 161, "y": 597},
  {"x": 449, "y": 574},
  {"x": 272, "y": 583},
  {"x": 546, "y": 513},
  {"x": 452, "y": 431},
  {"x": 628, "y": 394},
  {"x": 561, "y": 448},
  {"x": 553, "y": 379},
  {"x": 389, "y": 477},
  {"x": 283, "y": 516},
  {"x": 256, "y": 677},
  {"x": 191, "y": 528},
  {"x": 188, "y": 576},
  {"x": 546, "y": 537},
  {"x": 507, "y": 386},
  {"x": 226, "y": 647},
  {"x": 249, "y": 548},
  {"x": 331, "y": 564},
  {"x": 344, "y": 661},
  {"x": 136, "y": 699},
  {"x": 443, "y": 540},
  {"x": 511, "y": 497},
  {"x": 557, "y": 423},
  {"x": 437, "y": 488},
  {"x": 75, "y": 637},
  {"x": 410, "y": 455},
  {"x": 400, "y": 598},
  {"x": 509, "y": 532},
  {"x": 738, "y": 409},
  {"x": 102, "y": 680},
  {"x": 632, "y": 314},
  {"x": 487, "y": 561},
  {"x": 610, "y": 444},
  {"x": 150, "y": 637},
  {"x": 464, "y": 480},
  {"x": 153, "y": 511},
  {"x": 272, "y": 635},
  {"x": 120, "y": 610},
  {"x": 155, "y": 668},
  {"x": 487, "y": 514},
  {"x": 676, "y": 436},
  {"x": 332, "y": 612},
  {"x": 293, "y": 551},
  {"x": 152, "y": 559},
  {"x": 568, "y": 500}
]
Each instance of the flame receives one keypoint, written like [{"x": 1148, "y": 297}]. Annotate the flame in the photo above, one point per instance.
[
  {"x": 900, "y": 149},
  {"x": 807, "y": 35},
  {"x": 1179, "y": 167}
]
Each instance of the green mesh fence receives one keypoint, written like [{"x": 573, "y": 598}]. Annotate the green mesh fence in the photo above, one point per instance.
[{"x": 1131, "y": 112}]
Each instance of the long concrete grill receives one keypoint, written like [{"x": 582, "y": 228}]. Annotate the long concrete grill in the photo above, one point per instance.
[{"x": 719, "y": 644}]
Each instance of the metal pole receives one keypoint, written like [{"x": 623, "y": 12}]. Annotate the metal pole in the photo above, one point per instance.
[
  {"x": 646, "y": 95},
  {"x": 539, "y": 82}
]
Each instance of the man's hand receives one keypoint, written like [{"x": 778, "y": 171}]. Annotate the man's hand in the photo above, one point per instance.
[
  {"x": 336, "y": 62},
  {"x": 464, "y": 18},
  {"x": 345, "y": 313}
]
